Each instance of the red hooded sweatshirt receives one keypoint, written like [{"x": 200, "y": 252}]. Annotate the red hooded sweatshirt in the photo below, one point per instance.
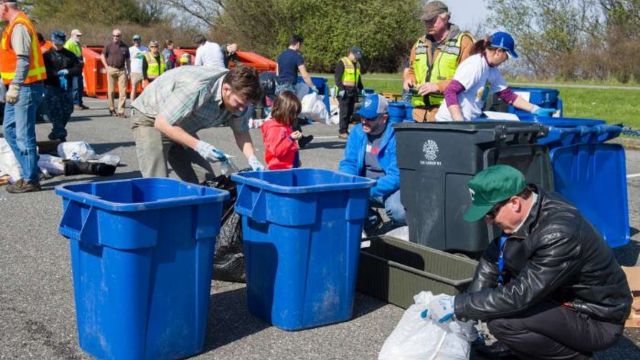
[{"x": 280, "y": 150}]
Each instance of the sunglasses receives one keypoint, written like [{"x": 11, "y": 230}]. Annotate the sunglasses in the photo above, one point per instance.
[
  {"x": 115, "y": 35},
  {"x": 495, "y": 209}
]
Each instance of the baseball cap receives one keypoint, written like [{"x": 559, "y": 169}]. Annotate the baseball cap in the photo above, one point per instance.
[
  {"x": 75, "y": 32},
  {"x": 504, "y": 41},
  {"x": 357, "y": 52},
  {"x": 58, "y": 37},
  {"x": 433, "y": 9},
  {"x": 153, "y": 43},
  {"x": 374, "y": 105},
  {"x": 136, "y": 37},
  {"x": 490, "y": 187}
]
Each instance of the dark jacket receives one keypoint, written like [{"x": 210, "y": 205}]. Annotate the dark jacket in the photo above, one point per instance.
[
  {"x": 56, "y": 60},
  {"x": 555, "y": 256}
]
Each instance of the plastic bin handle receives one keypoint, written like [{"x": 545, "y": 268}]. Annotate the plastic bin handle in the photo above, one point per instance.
[
  {"x": 88, "y": 229},
  {"x": 257, "y": 209},
  {"x": 503, "y": 131}
]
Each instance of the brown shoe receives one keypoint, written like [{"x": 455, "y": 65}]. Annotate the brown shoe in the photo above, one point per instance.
[
  {"x": 22, "y": 186},
  {"x": 343, "y": 136},
  {"x": 112, "y": 112},
  {"x": 80, "y": 107},
  {"x": 122, "y": 116}
]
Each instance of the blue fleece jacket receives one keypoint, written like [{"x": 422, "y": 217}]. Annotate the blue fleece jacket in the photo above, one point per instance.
[{"x": 353, "y": 162}]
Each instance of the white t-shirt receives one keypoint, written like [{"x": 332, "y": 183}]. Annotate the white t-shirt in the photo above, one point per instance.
[
  {"x": 136, "y": 54},
  {"x": 480, "y": 81},
  {"x": 209, "y": 54}
]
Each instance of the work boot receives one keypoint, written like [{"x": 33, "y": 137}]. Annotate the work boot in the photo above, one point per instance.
[
  {"x": 80, "y": 107},
  {"x": 304, "y": 141},
  {"x": 22, "y": 186},
  {"x": 72, "y": 167}
]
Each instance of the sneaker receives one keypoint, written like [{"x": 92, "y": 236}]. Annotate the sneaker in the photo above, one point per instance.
[
  {"x": 22, "y": 186},
  {"x": 343, "y": 136},
  {"x": 304, "y": 141}
]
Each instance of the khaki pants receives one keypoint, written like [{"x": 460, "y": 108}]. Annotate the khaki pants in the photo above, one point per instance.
[
  {"x": 425, "y": 114},
  {"x": 120, "y": 76},
  {"x": 136, "y": 79},
  {"x": 155, "y": 150}
]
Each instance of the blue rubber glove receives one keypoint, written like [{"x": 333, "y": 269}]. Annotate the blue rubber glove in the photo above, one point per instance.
[
  {"x": 63, "y": 72},
  {"x": 63, "y": 82},
  {"x": 255, "y": 164},
  {"x": 440, "y": 308},
  {"x": 209, "y": 152},
  {"x": 546, "y": 112}
]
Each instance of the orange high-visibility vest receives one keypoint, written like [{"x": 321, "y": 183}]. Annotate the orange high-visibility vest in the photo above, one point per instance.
[{"x": 8, "y": 58}]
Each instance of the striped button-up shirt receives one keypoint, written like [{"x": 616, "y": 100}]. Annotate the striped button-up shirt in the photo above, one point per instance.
[{"x": 190, "y": 97}]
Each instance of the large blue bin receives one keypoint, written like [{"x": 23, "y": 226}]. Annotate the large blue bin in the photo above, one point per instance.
[
  {"x": 142, "y": 259},
  {"x": 590, "y": 174},
  {"x": 302, "y": 230}
]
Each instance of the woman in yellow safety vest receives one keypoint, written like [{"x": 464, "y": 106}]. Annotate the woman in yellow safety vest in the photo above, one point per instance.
[{"x": 153, "y": 64}]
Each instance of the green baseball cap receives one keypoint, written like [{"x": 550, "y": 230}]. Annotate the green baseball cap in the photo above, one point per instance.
[{"x": 490, "y": 187}]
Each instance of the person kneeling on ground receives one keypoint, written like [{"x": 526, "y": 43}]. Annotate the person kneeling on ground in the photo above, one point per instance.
[
  {"x": 549, "y": 287},
  {"x": 172, "y": 109},
  {"x": 371, "y": 152}
]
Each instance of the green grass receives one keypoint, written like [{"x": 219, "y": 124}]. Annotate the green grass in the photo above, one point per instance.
[{"x": 612, "y": 105}]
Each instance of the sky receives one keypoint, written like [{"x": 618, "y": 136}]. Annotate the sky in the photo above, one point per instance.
[{"x": 467, "y": 13}]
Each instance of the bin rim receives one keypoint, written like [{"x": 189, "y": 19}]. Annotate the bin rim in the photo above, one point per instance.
[
  {"x": 363, "y": 182},
  {"x": 93, "y": 200},
  {"x": 468, "y": 126}
]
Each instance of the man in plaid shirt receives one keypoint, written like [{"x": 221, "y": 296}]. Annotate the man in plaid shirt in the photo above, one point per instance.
[{"x": 172, "y": 109}]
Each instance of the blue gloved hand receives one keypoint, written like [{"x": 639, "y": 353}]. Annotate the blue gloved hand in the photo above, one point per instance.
[
  {"x": 440, "y": 308},
  {"x": 63, "y": 82},
  {"x": 255, "y": 164},
  {"x": 209, "y": 152},
  {"x": 538, "y": 111},
  {"x": 63, "y": 72}
]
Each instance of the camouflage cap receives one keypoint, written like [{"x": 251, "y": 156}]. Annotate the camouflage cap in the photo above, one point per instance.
[{"x": 433, "y": 9}]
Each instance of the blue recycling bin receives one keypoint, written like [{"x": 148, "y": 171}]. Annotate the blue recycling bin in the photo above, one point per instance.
[
  {"x": 302, "y": 231},
  {"x": 589, "y": 173},
  {"x": 397, "y": 112},
  {"x": 543, "y": 97},
  {"x": 142, "y": 260}
]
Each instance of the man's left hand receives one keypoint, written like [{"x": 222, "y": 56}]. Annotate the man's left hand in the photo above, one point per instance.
[
  {"x": 440, "y": 308},
  {"x": 428, "y": 88},
  {"x": 13, "y": 93},
  {"x": 255, "y": 164}
]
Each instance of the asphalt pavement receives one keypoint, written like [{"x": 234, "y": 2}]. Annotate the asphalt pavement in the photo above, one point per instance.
[{"x": 37, "y": 317}]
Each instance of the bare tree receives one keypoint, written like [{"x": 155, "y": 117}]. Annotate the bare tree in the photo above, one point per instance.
[{"x": 205, "y": 11}]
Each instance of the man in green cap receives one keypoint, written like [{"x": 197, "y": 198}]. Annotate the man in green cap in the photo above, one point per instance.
[{"x": 549, "y": 287}]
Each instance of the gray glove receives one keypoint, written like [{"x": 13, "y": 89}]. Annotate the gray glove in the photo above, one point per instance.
[{"x": 209, "y": 152}]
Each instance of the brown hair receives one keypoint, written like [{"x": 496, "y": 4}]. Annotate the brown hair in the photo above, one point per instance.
[
  {"x": 244, "y": 81},
  {"x": 286, "y": 108},
  {"x": 480, "y": 46}
]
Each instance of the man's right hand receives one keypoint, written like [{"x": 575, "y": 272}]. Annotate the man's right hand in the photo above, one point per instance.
[
  {"x": 407, "y": 84},
  {"x": 13, "y": 93},
  {"x": 209, "y": 152}
]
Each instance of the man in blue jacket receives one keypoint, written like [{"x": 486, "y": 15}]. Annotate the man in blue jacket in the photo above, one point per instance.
[{"x": 371, "y": 152}]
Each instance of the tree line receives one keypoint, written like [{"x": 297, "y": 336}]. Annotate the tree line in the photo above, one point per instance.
[{"x": 558, "y": 39}]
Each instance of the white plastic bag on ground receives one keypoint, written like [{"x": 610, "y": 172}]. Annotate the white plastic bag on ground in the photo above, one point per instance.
[
  {"x": 51, "y": 165},
  {"x": 76, "y": 150},
  {"x": 314, "y": 108},
  {"x": 8, "y": 162},
  {"x": 415, "y": 338}
]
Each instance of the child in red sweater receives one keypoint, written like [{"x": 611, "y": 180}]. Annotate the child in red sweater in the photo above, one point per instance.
[{"x": 280, "y": 141}]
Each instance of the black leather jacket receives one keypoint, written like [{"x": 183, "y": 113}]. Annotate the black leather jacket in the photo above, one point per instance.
[{"x": 556, "y": 256}]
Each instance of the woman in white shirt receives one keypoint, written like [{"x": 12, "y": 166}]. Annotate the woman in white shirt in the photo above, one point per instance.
[{"x": 478, "y": 77}]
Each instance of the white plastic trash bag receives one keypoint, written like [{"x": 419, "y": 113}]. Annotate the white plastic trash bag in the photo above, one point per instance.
[
  {"x": 415, "y": 338},
  {"x": 76, "y": 150},
  {"x": 313, "y": 107},
  {"x": 51, "y": 165},
  {"x": 8, "y": 162}
]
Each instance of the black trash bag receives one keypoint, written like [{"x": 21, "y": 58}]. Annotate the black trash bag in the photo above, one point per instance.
[{"x": 228, "y": 260}]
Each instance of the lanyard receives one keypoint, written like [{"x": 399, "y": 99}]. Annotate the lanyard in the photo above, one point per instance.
[{"x": 503, "y": 242}]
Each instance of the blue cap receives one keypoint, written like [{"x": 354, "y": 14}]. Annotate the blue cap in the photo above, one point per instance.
[
  {"x": 503, "y": 40},
  {"x": 374, "y": 105},
  {"x": 58, "y": 37},
  {"x": 136, "y": 37},
  {"x": 357, "y": 52}
]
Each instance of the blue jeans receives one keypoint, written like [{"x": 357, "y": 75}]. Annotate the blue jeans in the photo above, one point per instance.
[
  {"x": 392, "y": 206},
  {"x": 285, "y": 86},
  {"x": 78, "y": 89},
  {"x": 20, "y": 129}
]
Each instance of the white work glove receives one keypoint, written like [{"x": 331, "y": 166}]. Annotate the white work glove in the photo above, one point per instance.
[
  {"x": 13, "y": 92},
  {"x": 255, "y": 164},
  {"x": 209, "y": 152},
  {"x": 341, "y": 94},
  {"x": 440, "y": 308}
]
